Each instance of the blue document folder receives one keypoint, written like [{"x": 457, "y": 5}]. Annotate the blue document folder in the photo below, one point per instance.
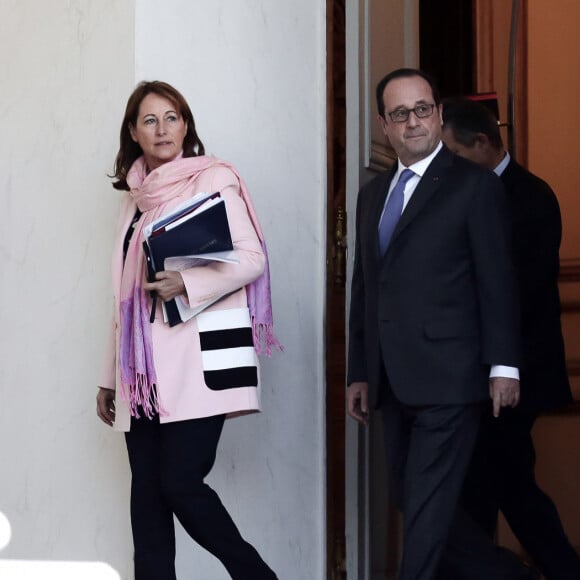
[{"x": 205, "y": 231}]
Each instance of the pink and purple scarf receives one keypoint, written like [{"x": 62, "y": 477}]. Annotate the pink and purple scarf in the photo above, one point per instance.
[{"x": 152, "y": 193}]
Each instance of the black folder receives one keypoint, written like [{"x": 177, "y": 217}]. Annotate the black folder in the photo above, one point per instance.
[{"x": 205, "y": 232}]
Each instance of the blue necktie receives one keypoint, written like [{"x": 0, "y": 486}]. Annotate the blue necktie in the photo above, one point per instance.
[{"x": 393, "y": 211}]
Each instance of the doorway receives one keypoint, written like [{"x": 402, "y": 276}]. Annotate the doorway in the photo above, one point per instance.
[
  {"x": 481, "y": 66},
  {"x": 377, "y": 515}
]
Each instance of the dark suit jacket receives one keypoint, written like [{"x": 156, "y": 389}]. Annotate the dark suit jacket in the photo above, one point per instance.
[
  {"x": 441, "y": 305},
  {"x": 536, "y": 233}
]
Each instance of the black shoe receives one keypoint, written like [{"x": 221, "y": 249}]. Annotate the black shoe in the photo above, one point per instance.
[
  {"x": 530, "y": 574},
  {"x": 514, "y": 567}
]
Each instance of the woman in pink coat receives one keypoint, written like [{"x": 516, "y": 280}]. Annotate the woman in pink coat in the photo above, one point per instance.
[{"x": 170, "y": 388}]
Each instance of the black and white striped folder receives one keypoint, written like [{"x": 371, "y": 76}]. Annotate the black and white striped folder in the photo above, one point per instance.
[{"x": 227, "y": 349}]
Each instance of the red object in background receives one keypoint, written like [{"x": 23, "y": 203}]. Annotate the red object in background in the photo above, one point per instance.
[{"x": 487, "y": 99}]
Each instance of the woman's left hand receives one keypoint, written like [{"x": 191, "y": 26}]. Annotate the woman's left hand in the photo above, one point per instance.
[{"x": 168, "y": 285}]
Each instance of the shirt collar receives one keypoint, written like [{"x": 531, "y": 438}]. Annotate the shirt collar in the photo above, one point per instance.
[
  {"x": 419, "y": 167},
  {"x": 502, "y": 164}
]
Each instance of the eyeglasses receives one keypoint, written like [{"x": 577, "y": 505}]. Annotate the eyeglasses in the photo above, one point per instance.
[{"x": 402, "y": 114}]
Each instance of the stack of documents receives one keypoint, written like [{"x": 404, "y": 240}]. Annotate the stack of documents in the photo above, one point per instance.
[{"x": 193, "y": 234}]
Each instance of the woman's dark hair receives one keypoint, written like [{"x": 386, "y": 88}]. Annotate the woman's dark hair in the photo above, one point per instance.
[{"x": 129, "y": 150}]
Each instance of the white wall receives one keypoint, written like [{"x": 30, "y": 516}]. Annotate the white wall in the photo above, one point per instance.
[
  {"x": 254, "y": 74},
  {"x": 66, "y": 69}
]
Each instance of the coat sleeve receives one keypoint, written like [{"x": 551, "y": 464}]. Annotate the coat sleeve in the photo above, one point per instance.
[
  {"x": 107, "y": 377},
  {"x": 536, "y": 234},
  {"x": 357, "y": 370},
  {"x": 108, "y": 374},
  {"x": 206, "y": 284},
  {"x": 495, "y": 274}
]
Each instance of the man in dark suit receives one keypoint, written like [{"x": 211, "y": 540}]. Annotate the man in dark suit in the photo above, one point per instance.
[
  {"x": 433, "y": 328},
  {"x": 502, "y": 476}
]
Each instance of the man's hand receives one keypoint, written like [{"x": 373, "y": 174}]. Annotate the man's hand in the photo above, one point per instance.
[
  {"x": 357, "y": 405},
  {"x": 504, "y": 392}
]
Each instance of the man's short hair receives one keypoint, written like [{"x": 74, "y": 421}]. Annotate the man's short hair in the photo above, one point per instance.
[
  {"x": 401, "y": 73},
  {"x": 467, "y": 118}
]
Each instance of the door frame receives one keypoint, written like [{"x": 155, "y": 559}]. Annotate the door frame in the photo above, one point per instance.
[{"x": 356, "y": 440}]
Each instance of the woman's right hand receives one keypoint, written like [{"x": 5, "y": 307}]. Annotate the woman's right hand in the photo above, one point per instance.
[
  {"x": 168, "y": 284},
  {"x": 106, "y": 405}
]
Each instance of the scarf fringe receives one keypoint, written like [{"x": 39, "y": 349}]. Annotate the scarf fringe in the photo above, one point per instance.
[
  {"x": 264, "y": 339},
  {"x": 142, "y": 396},
  {"x": 259, "y": 298},
  {"x": 138, "y": 378}
]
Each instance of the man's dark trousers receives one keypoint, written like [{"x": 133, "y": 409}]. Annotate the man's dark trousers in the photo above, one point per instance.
[
  {"x": 428, "y": 451},
  {"x": 502, "y": 477}
]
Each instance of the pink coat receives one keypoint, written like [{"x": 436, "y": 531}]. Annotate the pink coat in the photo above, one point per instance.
[{"x": 182, "y": 390}]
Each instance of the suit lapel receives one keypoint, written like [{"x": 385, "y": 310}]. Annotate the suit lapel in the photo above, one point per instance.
[{"x": 432, "y": 179}]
